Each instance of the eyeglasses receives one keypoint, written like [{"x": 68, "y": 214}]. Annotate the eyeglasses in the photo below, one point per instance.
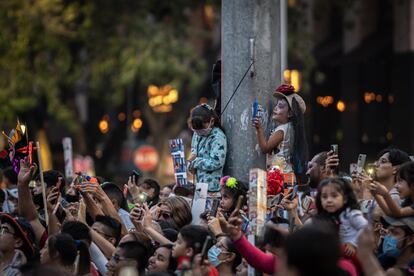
[
  {"x": 116, "y": 258},
  {"x": 165, "y": 215},
  {"x": 221, "y": 246},
  {"x": 4, "y": 230},
  {"x": 382, "y": 161}
]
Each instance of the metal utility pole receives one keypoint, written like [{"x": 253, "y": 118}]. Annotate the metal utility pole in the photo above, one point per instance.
[{"x": 251, "y": 31}]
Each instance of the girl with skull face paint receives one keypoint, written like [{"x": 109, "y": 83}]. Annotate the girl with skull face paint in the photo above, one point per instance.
[{"x": 208, "y": 146}]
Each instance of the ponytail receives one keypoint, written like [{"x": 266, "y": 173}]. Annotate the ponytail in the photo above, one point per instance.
[
  {"x": 71, "y": 252},
  {"x": 83, "y": 258}
]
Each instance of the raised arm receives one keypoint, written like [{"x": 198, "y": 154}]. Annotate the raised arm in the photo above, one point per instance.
[
  {"x": 105, "y": 246},
  {"x": 27, "y": 209},
  {"x": 107, "y": 206},
  {"x": 274, "y": 139}
]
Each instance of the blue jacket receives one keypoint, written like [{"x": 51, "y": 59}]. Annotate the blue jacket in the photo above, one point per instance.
[{"x": 211, "y": 153}]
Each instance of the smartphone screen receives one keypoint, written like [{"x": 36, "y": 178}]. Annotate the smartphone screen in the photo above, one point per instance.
[
  {"x": 361, "y": 162},
  {"x": 292, "y": 193},
  {"x": 334, "y": 148}
]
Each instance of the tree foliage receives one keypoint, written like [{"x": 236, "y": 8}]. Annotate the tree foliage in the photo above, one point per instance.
[{"x": 49, "y": 47}]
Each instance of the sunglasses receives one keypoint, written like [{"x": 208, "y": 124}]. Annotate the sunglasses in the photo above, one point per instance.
[{"x": 165, "y": 215}]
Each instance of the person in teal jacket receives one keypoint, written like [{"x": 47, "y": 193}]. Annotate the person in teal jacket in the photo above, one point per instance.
[{"x": 208, "y": 147}]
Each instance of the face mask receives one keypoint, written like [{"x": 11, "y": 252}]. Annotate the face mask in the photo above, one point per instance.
[
  {"x": 389, "y": 246},
  {"x": 204, "y": 131},
  {"x": 213, "y": 254}
]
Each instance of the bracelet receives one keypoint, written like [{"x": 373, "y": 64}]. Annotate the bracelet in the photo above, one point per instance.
[{"x": 220, "y": 235}]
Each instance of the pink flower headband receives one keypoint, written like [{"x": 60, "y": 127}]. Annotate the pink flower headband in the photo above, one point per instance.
[{"x": 229, "y": 182}]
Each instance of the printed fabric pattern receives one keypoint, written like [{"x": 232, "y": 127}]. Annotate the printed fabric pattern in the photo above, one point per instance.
[{"x": 211, "y": 153}]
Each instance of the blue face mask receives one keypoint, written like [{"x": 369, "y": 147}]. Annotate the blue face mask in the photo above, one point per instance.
[
  {"x": 389, "y": 246},
  {"x": 213, "y": 254}
]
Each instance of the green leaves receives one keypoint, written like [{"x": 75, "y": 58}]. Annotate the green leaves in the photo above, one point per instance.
[{"x": 47, "y": 46}]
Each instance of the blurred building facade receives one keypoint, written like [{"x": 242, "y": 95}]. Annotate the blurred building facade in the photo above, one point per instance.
[{"x": 361, "y": 94}]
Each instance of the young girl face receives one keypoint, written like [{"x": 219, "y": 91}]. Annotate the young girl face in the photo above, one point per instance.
[
  {"x": 160, "y": 260},
  {"x": 403, "y": 188},
  {"x": 226, "y": 201},
  {"x": 281, "y": 111},
  {"x": 331, "y": 198}
]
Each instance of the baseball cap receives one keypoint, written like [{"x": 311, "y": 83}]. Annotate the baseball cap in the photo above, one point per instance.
[
  {"x": 287, "y": 92},
  {"x": 405, "y": 221},
  {"x": 24, "y": 230}
]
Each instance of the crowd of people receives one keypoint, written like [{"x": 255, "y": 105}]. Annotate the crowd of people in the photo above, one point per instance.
[{"x": 320, "y": 222}]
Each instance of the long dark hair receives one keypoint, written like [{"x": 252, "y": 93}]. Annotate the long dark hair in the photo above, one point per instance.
[
  {"x": 344, "y": 187},
  {"x": 68, "y": 248},
  {"x": 203, "y": 113},
  {"x": 300, "y": 148},
  {"x": 172, "y": 262},
  {"x": 406, "y": 172}
]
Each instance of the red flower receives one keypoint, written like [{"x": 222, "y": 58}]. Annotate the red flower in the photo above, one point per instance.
[
  {"x": 274, "y": 181},
  {"x": 286, "y": 89}
]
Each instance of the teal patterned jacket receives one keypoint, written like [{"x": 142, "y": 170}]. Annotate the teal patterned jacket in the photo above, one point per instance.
[{"x": 211, "y": 153}]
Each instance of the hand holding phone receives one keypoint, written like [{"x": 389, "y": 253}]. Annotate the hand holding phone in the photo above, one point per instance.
[
  {"x": 214, "y": 207},
  {"x": 137, "y": 214},
  {"x": 361, "y": 162},
  {"x": 135, "y": 176},
  {"x": 59, "y": 184},
  {"x": 334, "y": 149},
  {"x": 293, "y": 192},
  {"x": 332, "y": 161},
  {"x": 205, "y": 249}
]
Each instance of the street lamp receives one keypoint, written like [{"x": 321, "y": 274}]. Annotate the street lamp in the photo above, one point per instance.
[
  {"x": 341, "y": 106},
  {"x": 293, "y": 77},
  {"x": 160, "y": 99},
  {"x": 104, "y": 125},
  {"x": 136, "y": 125}
]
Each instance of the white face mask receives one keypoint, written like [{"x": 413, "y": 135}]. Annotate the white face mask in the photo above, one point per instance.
[{"x": 205, "y": 131}]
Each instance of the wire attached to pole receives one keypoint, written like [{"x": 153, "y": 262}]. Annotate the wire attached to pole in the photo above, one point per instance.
[{"x": 235, "y": 90}]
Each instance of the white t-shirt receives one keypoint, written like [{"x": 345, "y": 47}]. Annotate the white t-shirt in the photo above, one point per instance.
[
  {"x": 352, "y": 223},
  {"x": 283, "y": 152}
]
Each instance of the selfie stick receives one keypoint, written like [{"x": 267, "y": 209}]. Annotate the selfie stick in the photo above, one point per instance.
[{"x": 42, "y": 182}]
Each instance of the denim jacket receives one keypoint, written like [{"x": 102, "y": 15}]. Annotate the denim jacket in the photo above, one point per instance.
[{"x": 211, "y": 153}]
